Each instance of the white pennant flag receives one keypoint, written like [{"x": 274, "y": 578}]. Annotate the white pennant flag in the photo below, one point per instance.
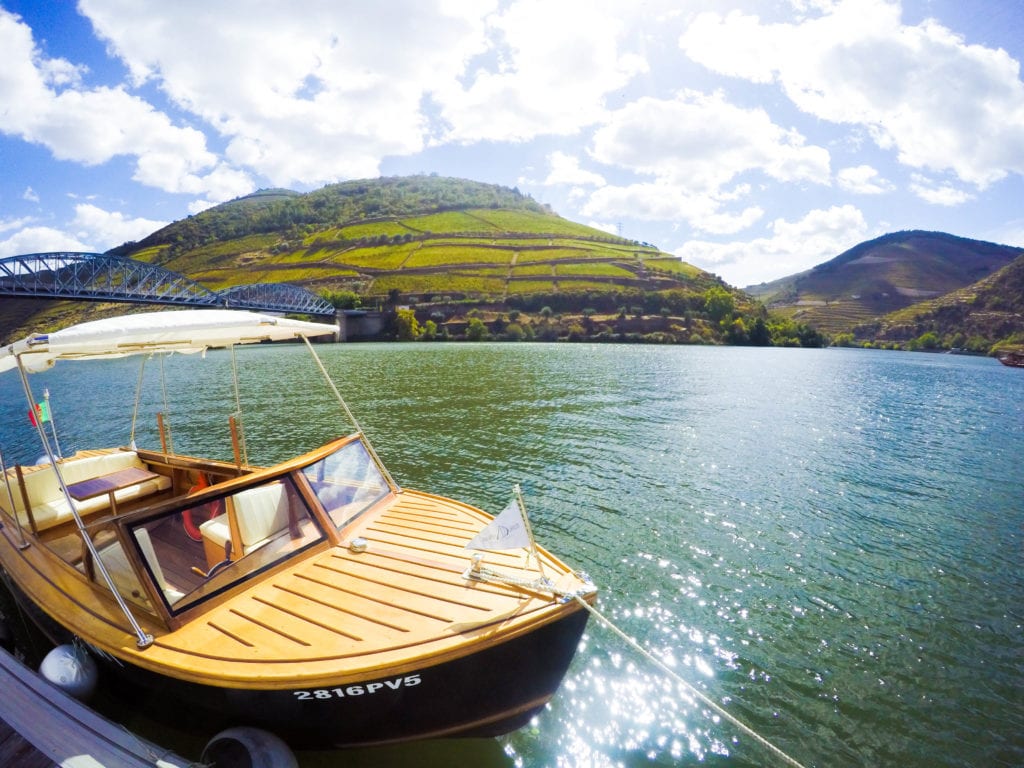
[{"x": 506, "y": 531}]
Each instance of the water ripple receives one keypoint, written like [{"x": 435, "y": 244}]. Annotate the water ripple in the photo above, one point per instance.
[{"x": 829, "y": 543}]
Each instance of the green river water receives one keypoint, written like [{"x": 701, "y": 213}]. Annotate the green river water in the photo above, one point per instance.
[{"x": 829, "y": 543}]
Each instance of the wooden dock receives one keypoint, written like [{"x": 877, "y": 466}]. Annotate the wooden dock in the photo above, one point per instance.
[
  {"x": 15, "y": 752},
  {"x": 43, "y": 727}
]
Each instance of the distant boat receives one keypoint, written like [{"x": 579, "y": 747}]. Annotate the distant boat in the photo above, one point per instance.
[
  {"x": 314, "y": 598},
  {"x": 1012, "y": 359}
]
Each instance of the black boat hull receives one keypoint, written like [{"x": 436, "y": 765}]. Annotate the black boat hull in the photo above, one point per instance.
[{"x": 488, "y": 693}]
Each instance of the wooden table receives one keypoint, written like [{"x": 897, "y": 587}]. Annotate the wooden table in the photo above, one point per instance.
[{"x": 110, "y": 484}]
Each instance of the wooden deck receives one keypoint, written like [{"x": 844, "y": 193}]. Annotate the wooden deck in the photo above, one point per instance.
[
  {"x": 43, "y": 727},
  {"x": 401, "y": 601}
]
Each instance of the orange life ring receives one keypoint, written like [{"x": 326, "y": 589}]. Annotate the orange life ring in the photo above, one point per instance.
[{"x": 206, "y": 511}]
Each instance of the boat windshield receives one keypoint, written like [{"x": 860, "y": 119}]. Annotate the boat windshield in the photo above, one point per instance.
[
  {"x": 199, "y": 551},
  {"x": 347, "y": 482}
]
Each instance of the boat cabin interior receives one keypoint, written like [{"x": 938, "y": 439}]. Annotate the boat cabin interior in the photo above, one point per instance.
[{"x": 175, "y": 532}]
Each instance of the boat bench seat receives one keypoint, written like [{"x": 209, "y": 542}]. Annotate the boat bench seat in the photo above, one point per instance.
[
  {"x": 47, "y": 504},
  {"x": 260, "y": 513}
]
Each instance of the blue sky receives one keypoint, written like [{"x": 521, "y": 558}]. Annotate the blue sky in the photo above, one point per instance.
[{"x": 753, "y": 139}]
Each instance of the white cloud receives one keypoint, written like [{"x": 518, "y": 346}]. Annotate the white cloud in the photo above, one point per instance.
[
  {"x": 940, "y": 103},
  {"x": 938, "y": 193},
  {"x": 93, "y": 125},
  {"x": 604, "y": 226},
  {"x": 694, "y": 145},
  {"x": 40, "y": 240},
  {"x": 655, "y": 201},
  {"x": 324, "y": 94},
  {"x": 198, "y": 206},
  {"x": 702, "y": 142},
  {"x": 306, "y": 96},
  {"x": 555, "y": 63},
  {"x": 727, "y": 223},
  {"x": 30, "y": 195},
  {"x": 110, "y": 228},
  {"x": 91, "y": 230},
  {"x": 791, "y": 247},
  {"x": 7, "y": 224},
  {"x": 666, "y": 202},
  {"x": 565, "y": 169},
  {"x": 863, "y": 180}
]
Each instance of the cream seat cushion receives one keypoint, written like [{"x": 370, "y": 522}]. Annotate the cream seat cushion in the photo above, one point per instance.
[{"x": 261, "y": 512}]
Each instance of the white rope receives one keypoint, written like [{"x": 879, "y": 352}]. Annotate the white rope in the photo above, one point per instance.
[
  {"x": 671, "y": 673},
  {"x": 542, "y": 584},
  {"x": 485, "y": 574}
]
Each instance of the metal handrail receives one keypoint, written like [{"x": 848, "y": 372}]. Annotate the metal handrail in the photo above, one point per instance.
[{"x": 142, "y": 638}]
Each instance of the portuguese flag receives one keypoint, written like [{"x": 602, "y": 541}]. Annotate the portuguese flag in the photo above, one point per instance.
[{"x": 40, "y": 414}]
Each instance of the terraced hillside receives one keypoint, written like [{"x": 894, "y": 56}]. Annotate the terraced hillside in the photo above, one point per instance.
[
  {"x": 881, "y": 276},
  {"x": 986, "y": 314},
  {"x": 483, "y": 253},
  {"x": 462, "y": 253},
  {"x": 413, "y": 237}
]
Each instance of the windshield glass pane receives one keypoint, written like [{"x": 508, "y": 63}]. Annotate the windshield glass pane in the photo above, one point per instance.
[
  {"x": 197, "y": 552},
  {"x": 347, "y": 482}
]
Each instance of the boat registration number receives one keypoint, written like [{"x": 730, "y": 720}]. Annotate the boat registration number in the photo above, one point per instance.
[{"x": 322, "y": 694}]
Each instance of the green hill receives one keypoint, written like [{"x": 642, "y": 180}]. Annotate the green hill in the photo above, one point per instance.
[
  {"x": 880, "y": 276},
  {"x": 417, "y": 237},
  {"x": 985, "y": 315},
  {"x": 446, "y": 246}
]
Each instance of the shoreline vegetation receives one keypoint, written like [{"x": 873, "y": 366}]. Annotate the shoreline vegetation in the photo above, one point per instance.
[
  {"x": 711, "y": 318},
  {"x": 407, "y": 324}
]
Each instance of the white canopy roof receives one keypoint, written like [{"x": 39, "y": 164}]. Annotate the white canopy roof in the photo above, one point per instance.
[{"x": 188, "y": 331}]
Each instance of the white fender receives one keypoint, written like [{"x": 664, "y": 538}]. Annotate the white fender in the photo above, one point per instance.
[
  {"x": 246, "y": 747},
  {"x": 71, "y": 669}
]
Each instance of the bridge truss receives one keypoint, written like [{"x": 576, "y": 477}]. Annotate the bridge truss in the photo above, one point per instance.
[
  {"x": 102, "y": 277},
  {"x": 283, "y": 297}
]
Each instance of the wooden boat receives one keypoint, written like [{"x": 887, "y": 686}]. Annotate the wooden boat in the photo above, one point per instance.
[
  {"x": 1012, "y": 359},
  {"x": 314, "y": 598}
]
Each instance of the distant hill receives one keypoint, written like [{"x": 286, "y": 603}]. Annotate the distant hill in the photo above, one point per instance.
[
  {"x": 984, "y": 315},
  {"x": 292, "y": 215},
  {"x": 411, "y": 237},
  {"x": 447, "y": 247},
  {"x": 881, "y": 276}
]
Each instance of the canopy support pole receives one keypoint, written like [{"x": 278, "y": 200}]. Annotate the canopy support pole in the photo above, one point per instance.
[
  {"x": 351, "y": 417},
  {"x": 138, "y": 400},
  {"x": 14, "y": 509},
  {"x": 162, "y": 429},
  {"x": 168, "y": 446},
  {"x": 237, "y": 425},
  {"x": 142, "y": 639},
  {"x": 235, "y": 449}
]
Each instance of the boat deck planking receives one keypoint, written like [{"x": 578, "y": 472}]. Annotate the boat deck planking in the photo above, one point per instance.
[{"x": 341, "y": 606}]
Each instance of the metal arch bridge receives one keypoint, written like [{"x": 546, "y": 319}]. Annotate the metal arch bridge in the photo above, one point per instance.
[{"x": 102, "y": 277}]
